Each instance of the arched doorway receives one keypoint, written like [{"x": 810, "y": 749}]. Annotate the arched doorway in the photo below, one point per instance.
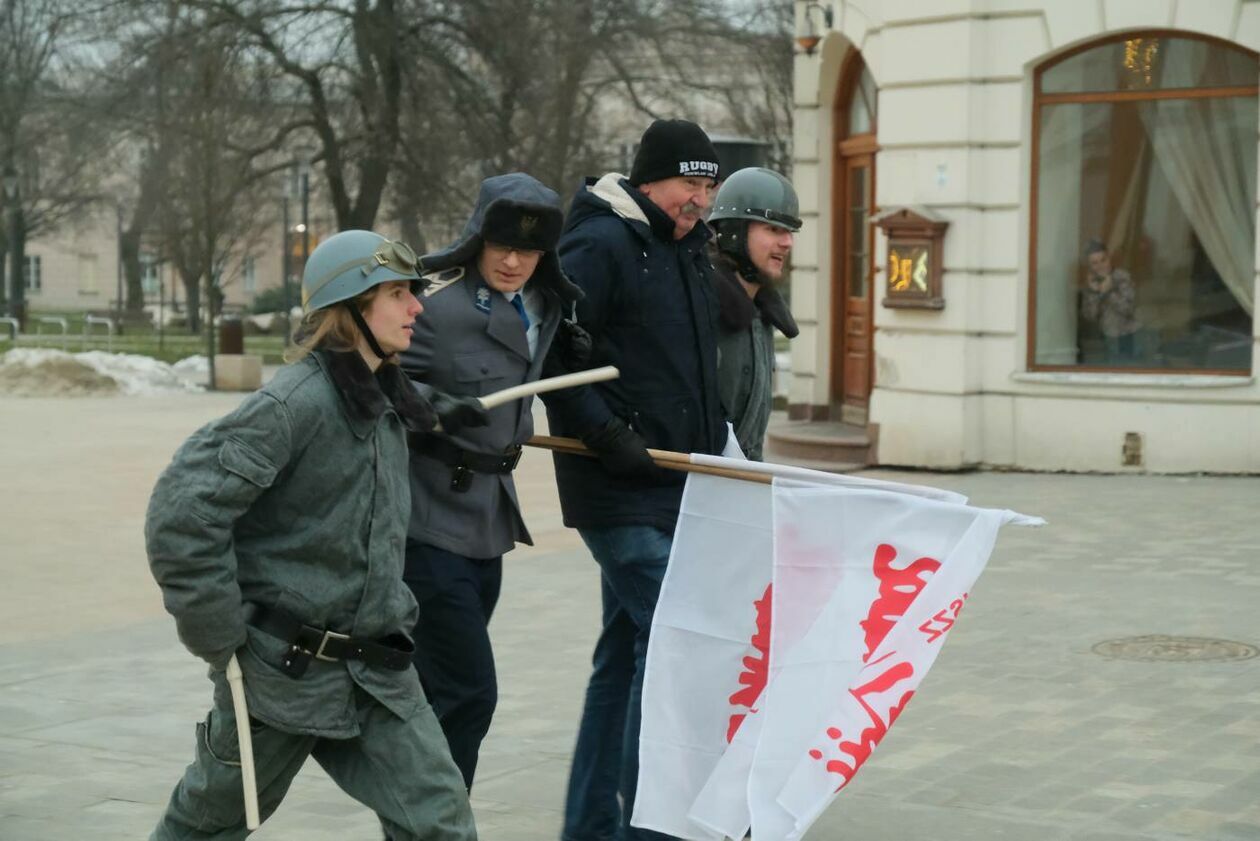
[{"x": 853, "y": 205}]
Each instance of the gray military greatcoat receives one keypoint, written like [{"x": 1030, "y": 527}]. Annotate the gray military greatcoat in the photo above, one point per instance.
[{"x": 470, "y": 341}]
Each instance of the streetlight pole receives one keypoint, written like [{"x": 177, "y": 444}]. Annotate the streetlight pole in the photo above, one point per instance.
[
  {"x": 306, "y": 206},
  {"x": 17, "y": 282},
  {"x": 284, "y": 259},
  {"x": 118, "y": 268}
]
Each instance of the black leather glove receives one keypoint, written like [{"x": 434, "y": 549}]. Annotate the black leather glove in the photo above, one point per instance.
[
  {"x": 454, "y": 412},
  {"x": 574, "y": 345},
  {"x": 620, "y": 449}
]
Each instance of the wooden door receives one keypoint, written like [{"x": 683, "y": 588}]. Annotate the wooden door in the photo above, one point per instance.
[
  {"x": 852, "y": 359},
  {"x": 852, "y": 275}
]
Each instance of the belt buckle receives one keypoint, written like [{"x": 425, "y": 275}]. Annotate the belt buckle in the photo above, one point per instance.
[
  {"x": 461, "y": 479},
  {"x": 319, "y": 653},
  {"x": 511, "y": 460}
]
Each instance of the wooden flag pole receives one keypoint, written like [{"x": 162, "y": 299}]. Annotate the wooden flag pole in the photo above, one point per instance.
[{"x": 664, "y": 458}]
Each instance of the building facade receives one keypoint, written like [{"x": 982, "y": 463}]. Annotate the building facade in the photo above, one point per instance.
[{"x": 1089, "y": 167}]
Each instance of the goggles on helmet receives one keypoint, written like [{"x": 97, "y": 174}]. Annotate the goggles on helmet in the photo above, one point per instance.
[{"x": 393, "y": 255}]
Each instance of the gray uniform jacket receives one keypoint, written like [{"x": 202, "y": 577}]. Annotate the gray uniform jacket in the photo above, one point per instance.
[
  {"x": 298, "y": 500},
  {"x": 470, "y": 341}
]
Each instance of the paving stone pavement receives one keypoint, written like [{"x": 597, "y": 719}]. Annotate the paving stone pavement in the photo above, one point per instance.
[{"x": 1020, "y": 731}]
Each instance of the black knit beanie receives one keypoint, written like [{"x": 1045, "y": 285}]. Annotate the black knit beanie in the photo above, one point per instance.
[{"x": 672, "y": 148}]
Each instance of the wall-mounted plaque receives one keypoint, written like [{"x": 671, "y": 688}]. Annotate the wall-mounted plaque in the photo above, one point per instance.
[{"x": 915, "y": 238}]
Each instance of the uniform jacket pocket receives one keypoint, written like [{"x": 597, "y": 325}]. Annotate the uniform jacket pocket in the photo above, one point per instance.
[
  {"x": 246, "y": 474},
  {"x": 479, "y": 373}
]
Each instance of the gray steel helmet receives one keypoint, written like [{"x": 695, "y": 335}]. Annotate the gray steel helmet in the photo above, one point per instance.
[
  {"x": 350, "y": 263},
  {"x": 758, "y": 195}
]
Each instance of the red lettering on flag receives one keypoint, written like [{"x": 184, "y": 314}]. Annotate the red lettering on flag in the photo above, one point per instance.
[
  {"x": 897, "y": 589},
  {"x": 756, "y": 668},
  {"x": 858, "y": 752},
  {"x": 940, "y": 623}
]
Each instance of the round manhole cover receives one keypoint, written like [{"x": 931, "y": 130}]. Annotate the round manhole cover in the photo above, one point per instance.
[{"x": 1158, "y": 647}]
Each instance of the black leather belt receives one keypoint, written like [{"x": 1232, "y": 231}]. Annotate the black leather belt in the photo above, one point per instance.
[
  {"x": 307, "y": 642},
  {"x": 453, "y": 455}
]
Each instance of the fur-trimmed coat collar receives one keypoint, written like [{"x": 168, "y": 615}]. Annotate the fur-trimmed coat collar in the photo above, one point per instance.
[
  {"x": 736, "y": 310},
  {"x": 366, "y": 395}
]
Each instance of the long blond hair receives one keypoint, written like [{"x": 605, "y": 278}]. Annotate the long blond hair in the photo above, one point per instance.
[{"x": 329, "y": 328}]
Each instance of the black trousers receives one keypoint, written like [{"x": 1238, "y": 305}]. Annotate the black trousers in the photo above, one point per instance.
[{"x": 457, "y": 595}]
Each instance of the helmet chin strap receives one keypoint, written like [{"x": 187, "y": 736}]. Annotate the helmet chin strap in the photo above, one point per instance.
[
  {"x": 365, "y": 330},
  {"x": 735, "y": 246}
]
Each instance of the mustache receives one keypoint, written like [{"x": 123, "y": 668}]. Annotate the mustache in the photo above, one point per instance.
[{"x": 691, "y": 209}]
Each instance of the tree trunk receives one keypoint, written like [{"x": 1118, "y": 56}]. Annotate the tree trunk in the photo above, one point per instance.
[
  {"x": 17, "y": 248},
  {"x": 130, "y": 244},
  {"x": 192, "y": 301},
  {"x": 212, "y": 383},
  {"x": 409, "y": 225}
]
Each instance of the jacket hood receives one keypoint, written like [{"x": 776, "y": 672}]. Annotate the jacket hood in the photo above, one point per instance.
[
  {"x": 613, "y": 194},
  {"x": 516, "y": 210}
]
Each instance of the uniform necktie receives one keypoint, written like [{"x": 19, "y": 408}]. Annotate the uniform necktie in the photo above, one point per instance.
[{"x": 519, "y": 306}]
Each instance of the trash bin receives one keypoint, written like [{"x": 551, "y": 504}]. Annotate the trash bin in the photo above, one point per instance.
[{"x": 231, "y": 335}]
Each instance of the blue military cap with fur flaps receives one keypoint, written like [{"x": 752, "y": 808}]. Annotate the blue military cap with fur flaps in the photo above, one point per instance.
[{"x": 519, "y": 211}]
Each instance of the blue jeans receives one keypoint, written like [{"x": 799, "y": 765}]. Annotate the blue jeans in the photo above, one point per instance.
[{"x": 632, "y": 561}]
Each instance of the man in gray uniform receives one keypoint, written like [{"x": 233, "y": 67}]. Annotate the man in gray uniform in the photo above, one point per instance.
[
  {"x": 496, "y": 301},
  {"x": 754, "y": 215}
]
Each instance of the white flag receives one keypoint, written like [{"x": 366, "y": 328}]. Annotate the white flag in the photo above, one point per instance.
[
  {"x": 703, "y": 628},
  {"x": 904, "y": 568},
  {"x": 742, "y": 676}
]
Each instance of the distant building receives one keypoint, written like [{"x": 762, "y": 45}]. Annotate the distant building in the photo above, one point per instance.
[
  {"x": 1095, "y": 161},
  {"x": 77, "y": 268}
]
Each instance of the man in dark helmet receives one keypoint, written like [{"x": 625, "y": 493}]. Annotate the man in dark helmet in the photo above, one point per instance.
[
  {"x": 491, "y": 314},
  {"x": 754, "y": 216}
]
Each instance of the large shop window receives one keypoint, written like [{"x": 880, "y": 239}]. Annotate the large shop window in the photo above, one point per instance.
[{"x": 1145, "y": 206}]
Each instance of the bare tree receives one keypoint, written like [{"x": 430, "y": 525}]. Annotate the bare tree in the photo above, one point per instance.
[
  {"x": 43, "y": 150},
  {"x": 202, "y": 146},
  {"x": 534, "y": 85},
  {"x": 759, "y": 43},
  {"x": 342, "y": 63}
]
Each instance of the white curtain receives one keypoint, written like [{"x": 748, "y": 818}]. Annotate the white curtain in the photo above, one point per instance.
[
  {"x": 1131, "y": 213},
  {"x": 1058, "y": 246},
  {"x": 1206, "y": 149}
]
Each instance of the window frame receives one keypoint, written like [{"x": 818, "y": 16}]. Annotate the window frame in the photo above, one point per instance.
[
  {"x": 1041, "y": 100},
  {"x": 33, "y": 271}
]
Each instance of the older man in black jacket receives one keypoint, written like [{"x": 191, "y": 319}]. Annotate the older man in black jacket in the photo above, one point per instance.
[{"x": 636, "y": 247}]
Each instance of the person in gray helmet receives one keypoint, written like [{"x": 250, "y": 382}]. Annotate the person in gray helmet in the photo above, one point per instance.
[
  {"x": 755, "y": 214},
  {"x": 276, "y": 535}
]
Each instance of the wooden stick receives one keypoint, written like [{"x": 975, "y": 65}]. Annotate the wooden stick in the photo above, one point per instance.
[
  {"x": 236, "y": 683},
  {"x": 667, "y": 459},
  {"x": 507, "y": 395}
]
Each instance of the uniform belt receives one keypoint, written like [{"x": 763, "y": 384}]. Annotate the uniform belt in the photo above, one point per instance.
[
  {"x": 453, "y": 455},
  {"x": 306, "y": 642}
]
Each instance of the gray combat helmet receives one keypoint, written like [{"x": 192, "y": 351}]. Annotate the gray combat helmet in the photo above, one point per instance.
[
  {"x": 350, "y": 263},
  {"x": 757, "y": 194}
]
